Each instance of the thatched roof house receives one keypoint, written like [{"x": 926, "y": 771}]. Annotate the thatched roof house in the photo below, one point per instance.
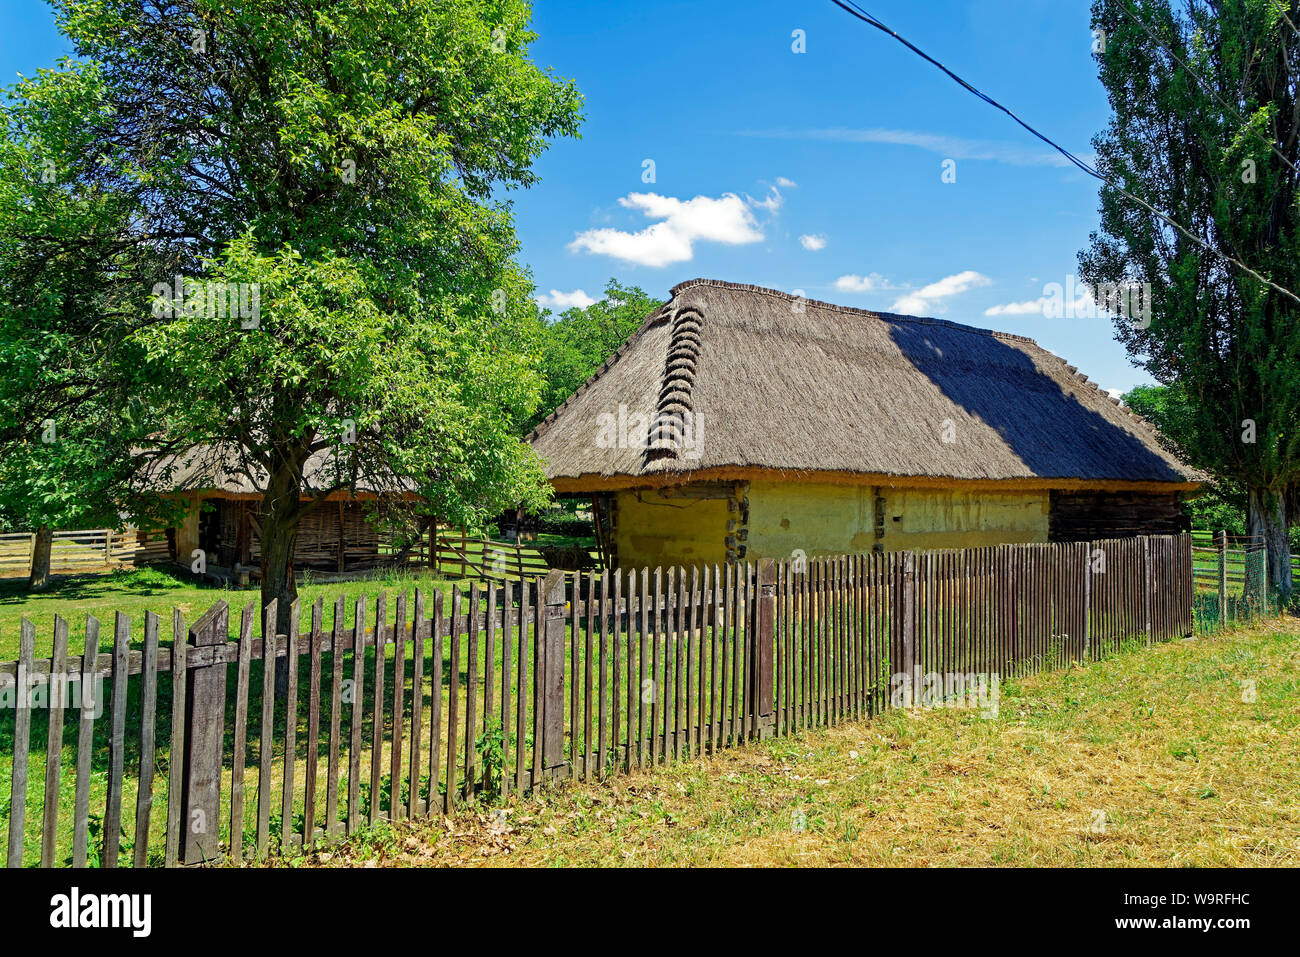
[
  {"x": 744, "y": 422},
  {"x": 223, "y": 495}
]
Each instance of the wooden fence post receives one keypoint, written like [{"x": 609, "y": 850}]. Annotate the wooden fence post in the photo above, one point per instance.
[
  {"x": 766, "y": 637},
  {"x": 1222, "y": 539},
  {"x": 550, "y": 676},
  {"x": 1087, "y": 600},
  {"x": 204, "y": 739},
  {"x": 905, "y": 606},
  {"x": 1148, "y": 585}
]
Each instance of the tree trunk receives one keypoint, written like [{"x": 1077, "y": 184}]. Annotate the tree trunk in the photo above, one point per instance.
[
  {"x": 1266, "y": 521},
  {"x": 280, "y": 514},
  {"x": 39, "y": 579}
]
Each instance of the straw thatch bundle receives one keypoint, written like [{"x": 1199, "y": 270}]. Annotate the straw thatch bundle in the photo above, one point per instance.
[{"x": 728, "y": 380}]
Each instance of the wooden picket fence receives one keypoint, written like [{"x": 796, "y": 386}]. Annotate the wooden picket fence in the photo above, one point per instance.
[{"x": 509, "y": 687}]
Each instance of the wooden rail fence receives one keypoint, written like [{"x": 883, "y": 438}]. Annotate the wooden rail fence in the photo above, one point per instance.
[
  {"x": 183, "y": 753},
  {"x": 87, "y": 548}
]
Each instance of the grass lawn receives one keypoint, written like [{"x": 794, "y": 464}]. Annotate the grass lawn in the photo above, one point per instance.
[
  {"x": 160, "y": 589},
  {"x": 134, "y": 592},
  {"x": 1157, "y": 757}
]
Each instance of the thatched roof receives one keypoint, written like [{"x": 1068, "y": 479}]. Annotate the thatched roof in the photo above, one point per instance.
[
  {"x": 809, "y": 389},
  {"x": 223, "y": 470}
]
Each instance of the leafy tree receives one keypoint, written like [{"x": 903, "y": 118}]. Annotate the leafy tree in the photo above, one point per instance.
[
  {"x": 1222, "y": 504},
  {"x": 335, "y": 168},
  {"x": 69, "y": 428},
  {"x": 577, "y": 342},
  {"x": 1205, "y": 127}
]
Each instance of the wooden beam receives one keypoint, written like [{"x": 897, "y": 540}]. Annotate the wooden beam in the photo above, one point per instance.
[{"x": 592, "y": 483}]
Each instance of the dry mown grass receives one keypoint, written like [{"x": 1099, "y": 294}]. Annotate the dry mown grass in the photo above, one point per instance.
[{"x": 1160, "y": 742}]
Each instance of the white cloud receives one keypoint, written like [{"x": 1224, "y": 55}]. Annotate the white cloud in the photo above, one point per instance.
[
  {"x": 727, "y": 220},
  {"x": 1115, "y": 393},
  {"x": 931, "y": 298},
  {"x": 813, "y": 242},
  {"x": 952, "y": 147},
  {"x": 773, "y": 202},
  {"x": 787, "y": 183},
  {"x": 565, "y": 300},
  {"x": 1031, "y": 307},
  {"x": 856, "y": 283}
]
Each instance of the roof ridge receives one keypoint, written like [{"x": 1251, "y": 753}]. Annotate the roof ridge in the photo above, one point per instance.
[{"x": 850, "y": 310}]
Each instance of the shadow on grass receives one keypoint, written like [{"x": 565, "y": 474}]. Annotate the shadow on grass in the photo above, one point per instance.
[{"x": 144, "y": 582}]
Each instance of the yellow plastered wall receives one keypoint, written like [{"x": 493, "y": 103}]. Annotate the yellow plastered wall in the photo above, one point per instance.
[
  {"x": 819, "y": 519},
  {"x": 919, "y": 519},
  {"x": 654, "y": 530},
  {"x": 838, "y": 519}
]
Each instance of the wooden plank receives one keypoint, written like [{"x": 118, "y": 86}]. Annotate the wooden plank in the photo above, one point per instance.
[
  {"x": 266, "y": 738},
  {"x": 764, "y": 645},
  {"x": 689, "y": 692},
  {"x": 782, "y": 646},
  {"x": 435, "y": 705},
  {"x": 290, "y": 728},
  {"x": 240, "y": 741},
  {"x": 909, "y": 609},
  {"x": 489, "y": 656},
  {"x": 615, "y": 696},
  {"x": 642, "y": 688},
  {"x": 816, "y": 653},
  {"x": 332, "y": 759},
  {"x": 355, "y": 714},
  {"x": 377, "y": 709},
  {"x": 453, "y": 703},
  {"x": 726, "y": 716},
  {"x": 575, "y": 686},
  {"x": 840, "y": 606},
  {"x": 312, "y": 769},
  {"x": 21, "y": 745},
  {"x": 855, "y": 636},
  {"x": 414, "y": 804},
  {"x": 808, "y": 649},
  {"x": 117, "y": 742},
  {"x": 633, "y": 676},
  {"x": 675, "y": 709},
  {"x": 507, "y": 675},
  {"x": 753, "y": 655},
  {"x": 54, "y": 735},
  {"x": 521, "y": 690},
  {"x": 396, "y": 809},
  {"x": 743, "y": 680},
  {"x": 703, "y": 734},
  {"x": 148, "y": 730},
  {"x": 540, "y": 695},
  {"x": 716, "y": 637},
  {"x": 740, "y": 655},
  {"x": 588, "y": 638},
  {"x": 471, "y": 692},
  {"x": 603, "y": 684},
  {"x": 657, "y": 681},
  {"x": 175, "y": 768},
  {"x": 204, "y": 749}
]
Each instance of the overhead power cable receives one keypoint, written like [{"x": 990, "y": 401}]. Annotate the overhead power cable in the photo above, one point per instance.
[{"x": 854, "y": 10}]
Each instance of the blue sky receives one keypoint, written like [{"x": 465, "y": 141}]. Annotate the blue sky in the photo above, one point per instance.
[{"x": 818, "y": 171}]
